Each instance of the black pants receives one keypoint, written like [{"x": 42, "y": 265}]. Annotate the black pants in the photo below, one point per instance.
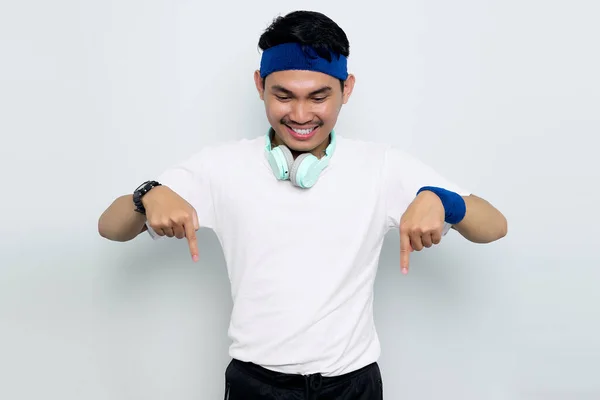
[{"x": 247, "y": 381}]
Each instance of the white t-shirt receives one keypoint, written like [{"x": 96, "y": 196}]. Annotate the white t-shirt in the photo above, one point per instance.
[{"x": 302, "y": 262}]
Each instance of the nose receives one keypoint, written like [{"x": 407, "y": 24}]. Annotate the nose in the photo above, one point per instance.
[{"x": 301, "y": 113}]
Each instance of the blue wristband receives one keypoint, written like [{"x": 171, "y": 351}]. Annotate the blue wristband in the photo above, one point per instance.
[{"x": 454, "y": 205}]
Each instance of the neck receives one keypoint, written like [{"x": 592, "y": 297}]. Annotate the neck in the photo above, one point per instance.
[{"x": 318, "y": 151}]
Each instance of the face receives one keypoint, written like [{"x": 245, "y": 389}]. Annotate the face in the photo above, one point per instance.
[{"x": 303, "y": 107}]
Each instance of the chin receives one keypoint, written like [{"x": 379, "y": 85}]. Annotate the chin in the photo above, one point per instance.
[{"x": 303, "y": 146}]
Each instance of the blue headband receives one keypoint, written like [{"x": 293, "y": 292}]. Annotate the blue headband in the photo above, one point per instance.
[{"x": 292, "y": 56}]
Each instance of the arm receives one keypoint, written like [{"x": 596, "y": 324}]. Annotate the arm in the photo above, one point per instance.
[
  {"x": 168, "y": 214},
  {"x": 177, "y": 208},
  {"x": 424, "y": 219},
  {"x": 119, "y": 222},
  {"x": 482, "y": 223}
]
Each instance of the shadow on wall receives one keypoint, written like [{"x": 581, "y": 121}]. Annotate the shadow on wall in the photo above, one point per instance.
[
  {"x": 166, "y": 318},
  {"x": 434, "y": 273},
  {"x": 451, "y": 316}
]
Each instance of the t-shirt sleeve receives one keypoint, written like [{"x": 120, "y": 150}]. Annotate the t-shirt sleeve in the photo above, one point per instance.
[
  {"x": 191, "y": 180},
  {"x": 404, "y": 175}
]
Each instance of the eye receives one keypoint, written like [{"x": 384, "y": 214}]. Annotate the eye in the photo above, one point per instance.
[
  {"x": 319, "y": 99},
  {"x": 282, "y": 98}
]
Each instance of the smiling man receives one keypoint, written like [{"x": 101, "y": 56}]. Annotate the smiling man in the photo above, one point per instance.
[{"x": 301, "y": 213}]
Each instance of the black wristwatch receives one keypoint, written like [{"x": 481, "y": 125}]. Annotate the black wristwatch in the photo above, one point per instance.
[{"x": 140, "y": 192}]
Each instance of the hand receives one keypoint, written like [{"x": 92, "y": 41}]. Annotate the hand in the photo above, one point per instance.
[
  {"x": 421, "y": 226},
  {"x": 170, "y": 215}
]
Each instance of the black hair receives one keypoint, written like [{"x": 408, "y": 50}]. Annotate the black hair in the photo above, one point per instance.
[{"x": 307, "y": 28}]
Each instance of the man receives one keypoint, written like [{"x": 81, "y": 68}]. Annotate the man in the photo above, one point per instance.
[{"x": 301, "y": 214}]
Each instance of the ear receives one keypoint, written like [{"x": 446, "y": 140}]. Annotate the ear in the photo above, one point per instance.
[
  {"x": 258, "y": 81},
  {"x": 348, "y": 87}
]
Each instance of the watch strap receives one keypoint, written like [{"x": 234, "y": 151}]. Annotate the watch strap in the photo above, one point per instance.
[{"x": 140, "y": 192}]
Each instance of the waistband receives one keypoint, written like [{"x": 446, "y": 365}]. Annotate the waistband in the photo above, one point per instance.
[{"x": 297, "y": 381}]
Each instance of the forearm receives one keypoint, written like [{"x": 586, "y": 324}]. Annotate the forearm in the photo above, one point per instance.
[
  {"x": 120, "y": 222},
  {"x": 482, "y": 223}
]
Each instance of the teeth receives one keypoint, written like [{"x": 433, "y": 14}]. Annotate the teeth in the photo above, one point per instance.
[{"x": 303, "y": 131}]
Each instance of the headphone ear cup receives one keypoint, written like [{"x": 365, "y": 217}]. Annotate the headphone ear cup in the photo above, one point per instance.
[
  {"x": 289, "y": 160},
  {"x": 300, "y": 172},
  {"x": 280, "y": 160}
]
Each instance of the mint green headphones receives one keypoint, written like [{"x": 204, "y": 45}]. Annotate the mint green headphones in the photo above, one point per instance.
[{"x": 304, "y": 171}]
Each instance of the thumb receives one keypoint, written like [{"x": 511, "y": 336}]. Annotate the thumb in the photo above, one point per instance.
[{"x": 405, "y": 250}]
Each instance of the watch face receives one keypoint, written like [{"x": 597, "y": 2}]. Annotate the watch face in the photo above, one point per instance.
[{"x": 141, "y": 186}]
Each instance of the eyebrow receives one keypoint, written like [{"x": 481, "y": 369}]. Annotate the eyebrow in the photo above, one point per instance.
[{"x": 279, "y": 88}]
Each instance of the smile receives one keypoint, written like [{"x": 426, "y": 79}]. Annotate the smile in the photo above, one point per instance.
[
  {"x": 303, "y": 131},
  {"x": 302, "y": 134}
]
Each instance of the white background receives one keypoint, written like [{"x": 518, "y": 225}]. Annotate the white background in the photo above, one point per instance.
[{"x": 96, "y": 97}]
